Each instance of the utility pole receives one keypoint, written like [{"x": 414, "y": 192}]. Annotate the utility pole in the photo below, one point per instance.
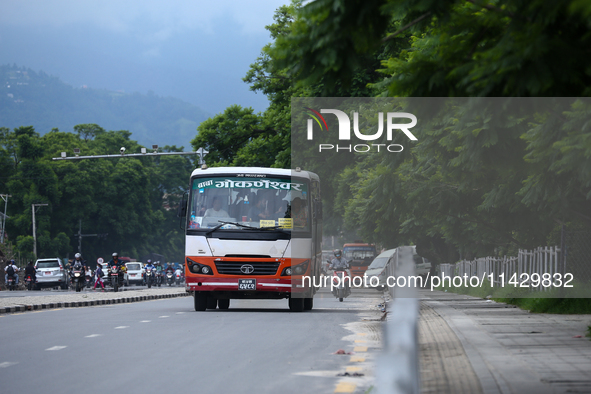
[
  {"x": 5, "y": 198},
  {"x": 80, "y": 235},
  {"x": 34, "y": 228}
]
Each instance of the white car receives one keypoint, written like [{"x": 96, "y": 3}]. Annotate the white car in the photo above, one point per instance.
[
  {"x": 51, "y": 273},
  {"x": 135, "y": 273},
  {"x": 379, "y": 268}
]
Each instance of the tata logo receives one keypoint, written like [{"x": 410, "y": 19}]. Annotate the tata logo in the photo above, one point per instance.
[
  {"x": 344, "y": 132},
  {"x": 247, "y": 269}
]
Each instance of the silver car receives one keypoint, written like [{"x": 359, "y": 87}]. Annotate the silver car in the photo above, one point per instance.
[{"x": 51, "y": 273}]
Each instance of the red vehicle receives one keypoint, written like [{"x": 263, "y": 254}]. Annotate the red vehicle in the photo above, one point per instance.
[{"x": 359, "y": 255}]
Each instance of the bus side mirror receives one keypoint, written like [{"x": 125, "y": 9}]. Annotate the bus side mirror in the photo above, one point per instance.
[
  {"x": 318, "y": 209},
  {"x": 182, "y": 210}
]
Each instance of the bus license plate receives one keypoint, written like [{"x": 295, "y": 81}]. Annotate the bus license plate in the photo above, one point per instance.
[{"x": 247, "y": 284}]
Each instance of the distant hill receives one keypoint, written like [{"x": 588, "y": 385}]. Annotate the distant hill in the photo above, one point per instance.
[{"x": 35, "y": 99}]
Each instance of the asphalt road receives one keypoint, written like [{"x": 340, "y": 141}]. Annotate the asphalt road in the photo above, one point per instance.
[{"x": 255, "y": 346}]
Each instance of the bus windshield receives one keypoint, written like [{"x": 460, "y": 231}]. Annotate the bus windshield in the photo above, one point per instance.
[
  {"x": 245, "y": 203},
  {"x": 359, "y": 252}
]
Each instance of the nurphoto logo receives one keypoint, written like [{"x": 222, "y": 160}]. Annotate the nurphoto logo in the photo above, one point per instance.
[{"x": 344, "y": 132}]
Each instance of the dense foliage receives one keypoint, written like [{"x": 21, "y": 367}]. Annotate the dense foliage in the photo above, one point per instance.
[
  {"x": 129, "y": 199},
  {"x": 472, "y": 185}
]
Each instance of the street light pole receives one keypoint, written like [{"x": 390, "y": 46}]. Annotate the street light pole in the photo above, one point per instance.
[
  {"x": 34, "y": 229},
  {"x": 5, "y": 198}
]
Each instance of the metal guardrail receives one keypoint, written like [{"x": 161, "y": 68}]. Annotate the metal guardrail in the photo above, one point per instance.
[{"x": 397, "y": 369}]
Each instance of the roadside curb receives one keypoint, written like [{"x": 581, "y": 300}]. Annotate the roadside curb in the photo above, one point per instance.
[{"x": 78, "y": 304}]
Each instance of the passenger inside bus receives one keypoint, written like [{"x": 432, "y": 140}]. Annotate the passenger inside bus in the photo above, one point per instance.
[
  {"x": 260, "y": 210},
  {"x": 216, "y": 210},
  {"x": 299, "y": 212}
]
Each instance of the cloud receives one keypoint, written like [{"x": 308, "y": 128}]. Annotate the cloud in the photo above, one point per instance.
[{"x": 131, "y": 15}]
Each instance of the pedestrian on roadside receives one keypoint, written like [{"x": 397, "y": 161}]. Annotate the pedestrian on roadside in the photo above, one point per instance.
[{"x": 99, "y": 276}]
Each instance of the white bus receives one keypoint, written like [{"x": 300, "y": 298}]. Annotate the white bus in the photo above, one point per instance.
[{"x": 252, "y": 233}]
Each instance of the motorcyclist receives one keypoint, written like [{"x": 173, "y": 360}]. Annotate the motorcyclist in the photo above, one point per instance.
[
  {"x": 12, "y": 270},
  {"x": 78, "y": 262},
  {"x": 340, "y": 263},
  {"x": 115, "y": 261},
  {"x": 88, "y": 275},
  {"x": 159, "y": 272},
  {"x": 120, "y": 265},
  {"x": 148, "y": 266},
  {"x": 178, "y": 274},
  {"x": 170, "y": 270},
  {"x": 30, "y": 270}
]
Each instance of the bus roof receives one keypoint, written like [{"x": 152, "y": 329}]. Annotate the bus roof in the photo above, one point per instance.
[{"x": 254, "y": 170}]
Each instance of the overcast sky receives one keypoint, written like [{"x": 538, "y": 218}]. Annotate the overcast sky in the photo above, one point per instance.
[{"x": 196, "y": 50}]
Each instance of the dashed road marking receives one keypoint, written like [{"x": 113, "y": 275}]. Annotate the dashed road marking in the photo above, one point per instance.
[
  {"x": 357, "y": 359},
  {"x": 162, "y": 317},
  {"x": 145, "y": 321},
  {"x": 180, "y": 313},
  {"x": 360, "y": 341},
  {"x": 7, "y": 364},
  {"x": 56, "y": 348},
  {"x": 360, "y": 349},
  {"x": 362, "y": 334},
  {"x": 345, "y": 387},
  {"x": 93, "y": 335},
  {"x": 352, "y": 369},
  {"x": 121, "y": 327}
]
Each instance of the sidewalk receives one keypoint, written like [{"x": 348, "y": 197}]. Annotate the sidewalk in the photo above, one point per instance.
[
  {"x": 471, "y": 345},
  {"x": 85, "y": 298}
]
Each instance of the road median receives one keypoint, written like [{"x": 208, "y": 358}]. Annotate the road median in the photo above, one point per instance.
[{"x": 86, "y": 298}]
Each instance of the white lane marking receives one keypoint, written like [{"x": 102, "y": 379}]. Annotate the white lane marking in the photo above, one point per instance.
[
  {"x": 180, "y": 313},
  {"x": 56, "y": 348},
  {"x": 7, "y": 364},
  {"x": 121, "y": 327},
  {"x": 145, "y": 321},
  {"x": 162, "y": 317},
  {"x": 93, "y": 335}
]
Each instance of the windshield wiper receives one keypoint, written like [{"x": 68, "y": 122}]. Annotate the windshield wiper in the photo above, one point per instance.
[{"x": 244, "y": 226}]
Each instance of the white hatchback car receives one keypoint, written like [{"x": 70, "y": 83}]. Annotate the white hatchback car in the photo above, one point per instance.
[{"x": 134, "y": 273}]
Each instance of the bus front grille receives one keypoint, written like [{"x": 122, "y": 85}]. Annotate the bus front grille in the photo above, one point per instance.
[{"x": 247, "y": 268}]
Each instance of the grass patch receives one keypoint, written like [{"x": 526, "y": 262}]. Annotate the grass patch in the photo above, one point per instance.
[{"x": 553, "y": 300}]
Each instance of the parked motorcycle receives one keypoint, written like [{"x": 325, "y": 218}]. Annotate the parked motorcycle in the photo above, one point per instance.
[
  {"x": 149, "y": 277},
  {"x": 341, "y": 284},
  {"x": 169, "y": 278},
  {"x": 77, "y": 278}
]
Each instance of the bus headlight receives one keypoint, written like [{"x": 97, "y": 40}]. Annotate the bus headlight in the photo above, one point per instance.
[
  {"x": 296, "y": 269},
  {"x": 199, "y": 268}
]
